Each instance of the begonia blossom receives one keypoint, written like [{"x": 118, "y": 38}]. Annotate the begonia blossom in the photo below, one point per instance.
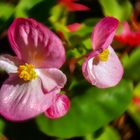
[
  {"x": 128, "y": 36},
  {"x": 102, "y": 67},
  {"x": 35, "y": 81},
  {"x": 73, "y": 27},
  {"x": 72, "y": 6}
]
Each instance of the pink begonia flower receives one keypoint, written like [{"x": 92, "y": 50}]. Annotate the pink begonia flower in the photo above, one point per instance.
[
  {"x": 73, "y": 27},
  {"x": 72, "y": 6},
  {"x": 102, "y": 67},
  {"x": 128, "y": 37},
  {"x": 34, "y": 79}
]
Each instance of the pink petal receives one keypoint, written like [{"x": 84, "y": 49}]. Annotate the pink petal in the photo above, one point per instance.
[
  {"x": 35, "y": 43},
  {"x": 128, "y": 37},
  {"x": 20, "y": 101},
  {"x": 103, "y": 74},
  {"x": 73, "y": 27},
  {"x": 77, "y": 7},
  {"x": 87, "y": 69},
  {"x": 126, "y": 28},
  {"x": 52, "y": 79},
  {"x": 59, "y": 108},
  {"x": 9, "y": 63},
  {"x": 103, "y": 33},
  {"x": 124, "y": 36},
  {"x": 72, "y": 6}
]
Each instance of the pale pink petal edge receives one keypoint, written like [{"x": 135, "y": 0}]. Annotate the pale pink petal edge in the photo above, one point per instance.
[
  {"x": 22, "y": 101},
  {"x": 103, "y": 33},
  {"x": 59, "y": 108},
  {"x": 97, "y": 74}
]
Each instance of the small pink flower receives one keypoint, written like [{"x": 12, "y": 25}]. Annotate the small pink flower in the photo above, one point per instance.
[
  {"x": 72, "y": 6},
  {"x": 34, "y": 79},
  {"x": 128, "y": 37},
  {"x": 102, "y": 68},
  {"x": 73, "y": 27}
]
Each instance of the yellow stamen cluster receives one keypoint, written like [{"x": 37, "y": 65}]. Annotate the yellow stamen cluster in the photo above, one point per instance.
[
  {"x": 26, "y": 72},
  {"x": 104, "y": 55}
]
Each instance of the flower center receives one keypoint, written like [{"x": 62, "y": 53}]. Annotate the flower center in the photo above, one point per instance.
[
  {"x": 104, "y": 55},
  {"x": 26, "y": 72}
]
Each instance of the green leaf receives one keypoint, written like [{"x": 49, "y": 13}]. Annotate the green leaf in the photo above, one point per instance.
[
  {"x": 59, "y": 14},
  {"x": 84, "y": 31},
  {"x": 134, "y": 110},
  {"x": 108, "y": 133},
  {"x": 6, "y": 10},
  {"x": 136, "y": 91},
  {"x": 91, "y": 108},
  {"x": 120, "y": 9},
  {"x": 2, "y": 126},
  {"x": 132, "y": 65},
  {"x": 42, "y": 10},
  {"x": 87, "y": 43},
  {"x": 25, "y": 5},
  {"x": 87, "y": 27}
]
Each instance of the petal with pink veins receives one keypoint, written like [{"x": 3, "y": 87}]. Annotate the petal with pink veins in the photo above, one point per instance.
[
  {"x": 9, "y": 63},
  {"x": 36, "y": 44},
  {"x": 59, "y": 108},
  {"x": 103, "y": 33},
  {"x": 51, "y": 79},
  {"x": 103, "y": 74},
  {"x": 23, "y": 100}
]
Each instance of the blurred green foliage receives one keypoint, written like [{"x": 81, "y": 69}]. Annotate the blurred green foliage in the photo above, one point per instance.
[
  {"x": 6, "y": 10},
  {"x": 122, "y": 10},
  {"x": 91, "y": 109},
  {"x": 132, "y": 65},
  {"x": 108, "y": 133},
  {"x": 133, "y": 109},
  {"x": 2, "y": 125}
]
